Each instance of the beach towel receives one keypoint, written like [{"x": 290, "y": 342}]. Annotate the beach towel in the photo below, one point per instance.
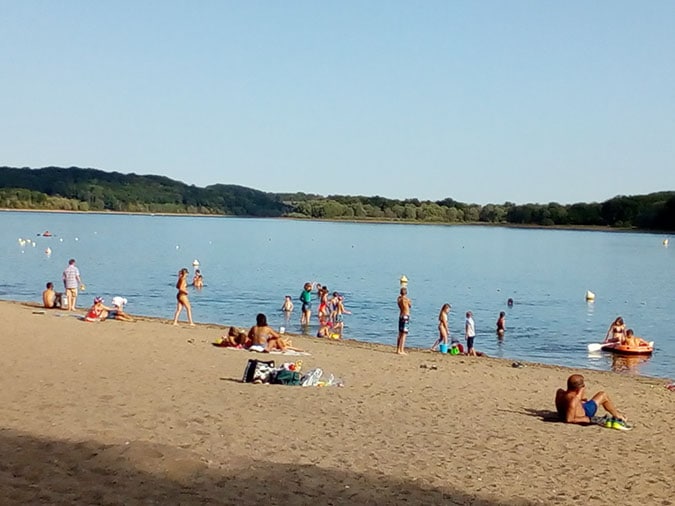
[{"x": 262, "y": 350}]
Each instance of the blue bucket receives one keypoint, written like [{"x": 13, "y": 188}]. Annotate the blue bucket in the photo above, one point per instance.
[{"x": 443, "y": 348}]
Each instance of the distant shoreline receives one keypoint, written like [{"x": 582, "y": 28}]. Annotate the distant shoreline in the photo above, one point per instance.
[{"x": 578, "y": 228}]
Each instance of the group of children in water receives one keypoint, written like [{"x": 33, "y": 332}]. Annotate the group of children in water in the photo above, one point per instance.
[{"x": 331, "y": 310}]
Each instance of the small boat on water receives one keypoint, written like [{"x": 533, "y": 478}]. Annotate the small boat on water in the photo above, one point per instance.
[{"x": 644, "y": 348}]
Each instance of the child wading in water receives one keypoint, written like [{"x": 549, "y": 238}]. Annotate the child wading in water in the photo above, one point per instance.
[{"x": 287, "y": 308}]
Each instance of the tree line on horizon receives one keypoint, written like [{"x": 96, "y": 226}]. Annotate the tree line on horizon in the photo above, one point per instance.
[{"x": 77, "y": 189}]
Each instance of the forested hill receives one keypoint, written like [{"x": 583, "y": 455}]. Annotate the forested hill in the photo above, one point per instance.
[{"x": 96, "y": 190}]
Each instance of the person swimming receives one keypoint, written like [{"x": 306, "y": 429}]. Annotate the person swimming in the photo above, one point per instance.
[{"x": 198, "y": 280}]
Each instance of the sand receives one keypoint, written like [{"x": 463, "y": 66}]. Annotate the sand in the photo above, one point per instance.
[{"x": 147, "y": 413}]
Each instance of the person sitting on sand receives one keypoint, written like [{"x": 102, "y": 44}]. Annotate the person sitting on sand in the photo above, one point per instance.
[
  {"x": 117, "y": 311},
  {"x": 616, "y": 332},
  {"x": 52, "y": 299},
  {"x": 97, "y": 312},
  {"x": 573, "y": 407},
  {"x": 234, "y": 338},
  {"x": 325, "y": 328},
  {"x": 265, "y": 338}
]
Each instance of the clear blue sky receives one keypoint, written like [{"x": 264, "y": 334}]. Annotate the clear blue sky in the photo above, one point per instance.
[{"x": 480, "y": 101}]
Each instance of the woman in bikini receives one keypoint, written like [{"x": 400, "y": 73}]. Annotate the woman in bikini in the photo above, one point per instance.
[
  {"x": 182, "y": 300},
  {"x": 616, "y": 332},
  {"x": 265, "y": 338},
  {"x": 443, "y": 331}
]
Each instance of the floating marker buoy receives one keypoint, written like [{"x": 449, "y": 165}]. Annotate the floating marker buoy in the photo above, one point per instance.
[
  {"x": 665, "y": 242},
  {"x": 195, "y": 263},
  {"x": 590, "y": 295}
]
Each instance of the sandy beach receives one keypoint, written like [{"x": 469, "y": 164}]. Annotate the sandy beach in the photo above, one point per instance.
[{"x": 148, "y": 413}]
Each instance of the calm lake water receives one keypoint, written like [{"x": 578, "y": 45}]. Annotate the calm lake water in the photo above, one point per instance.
[{"x": 250, "y": 264}]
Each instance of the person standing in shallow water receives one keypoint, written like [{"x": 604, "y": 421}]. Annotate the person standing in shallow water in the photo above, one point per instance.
[
  {"x": 404, "y": 305},
  {"x": 182, "y": 300},
  {"x": 306, "y": 299},
  {"x": 469, "y": 333},
  {"x": 501, "y": 325}
]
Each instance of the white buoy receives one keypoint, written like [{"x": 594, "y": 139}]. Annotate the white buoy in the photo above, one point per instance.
[
  {"x": 195, "y": 263},
  {"x": 48, "y": 251},
  {"x": 665, "y": 242},
  {"x": 590, "y": 295},
  {"x": 177, "y": 247}
]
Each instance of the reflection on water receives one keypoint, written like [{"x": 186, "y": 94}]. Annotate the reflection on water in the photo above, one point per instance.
[
  {"x": 628, "y": 363},
  {"x": 625, "y": 364}
]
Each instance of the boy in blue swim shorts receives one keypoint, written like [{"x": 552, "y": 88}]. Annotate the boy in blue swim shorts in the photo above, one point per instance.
[{"x": 404, "y": 305}]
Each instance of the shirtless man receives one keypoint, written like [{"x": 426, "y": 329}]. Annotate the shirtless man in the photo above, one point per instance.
[
  {"x": 50, "y": 298},
  {"x": 404, "y": 305},
  {"x": 573, "y": 407}
]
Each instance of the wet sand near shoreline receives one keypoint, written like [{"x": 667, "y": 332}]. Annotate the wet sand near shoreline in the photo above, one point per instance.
[{"x": 148, "y": 413}]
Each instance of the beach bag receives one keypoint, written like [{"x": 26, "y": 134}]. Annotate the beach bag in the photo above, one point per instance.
[
  {"x": 286, "y": 377},
  {"x": 258, "y": 371}
]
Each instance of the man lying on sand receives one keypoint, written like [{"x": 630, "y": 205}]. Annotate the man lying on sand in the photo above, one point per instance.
[{"x": 573, "y": 407}]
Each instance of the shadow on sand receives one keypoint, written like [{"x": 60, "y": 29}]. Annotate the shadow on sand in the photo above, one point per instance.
[
  {"x": 35, "y": 470},
  {"x": 546, "y": 415}
]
